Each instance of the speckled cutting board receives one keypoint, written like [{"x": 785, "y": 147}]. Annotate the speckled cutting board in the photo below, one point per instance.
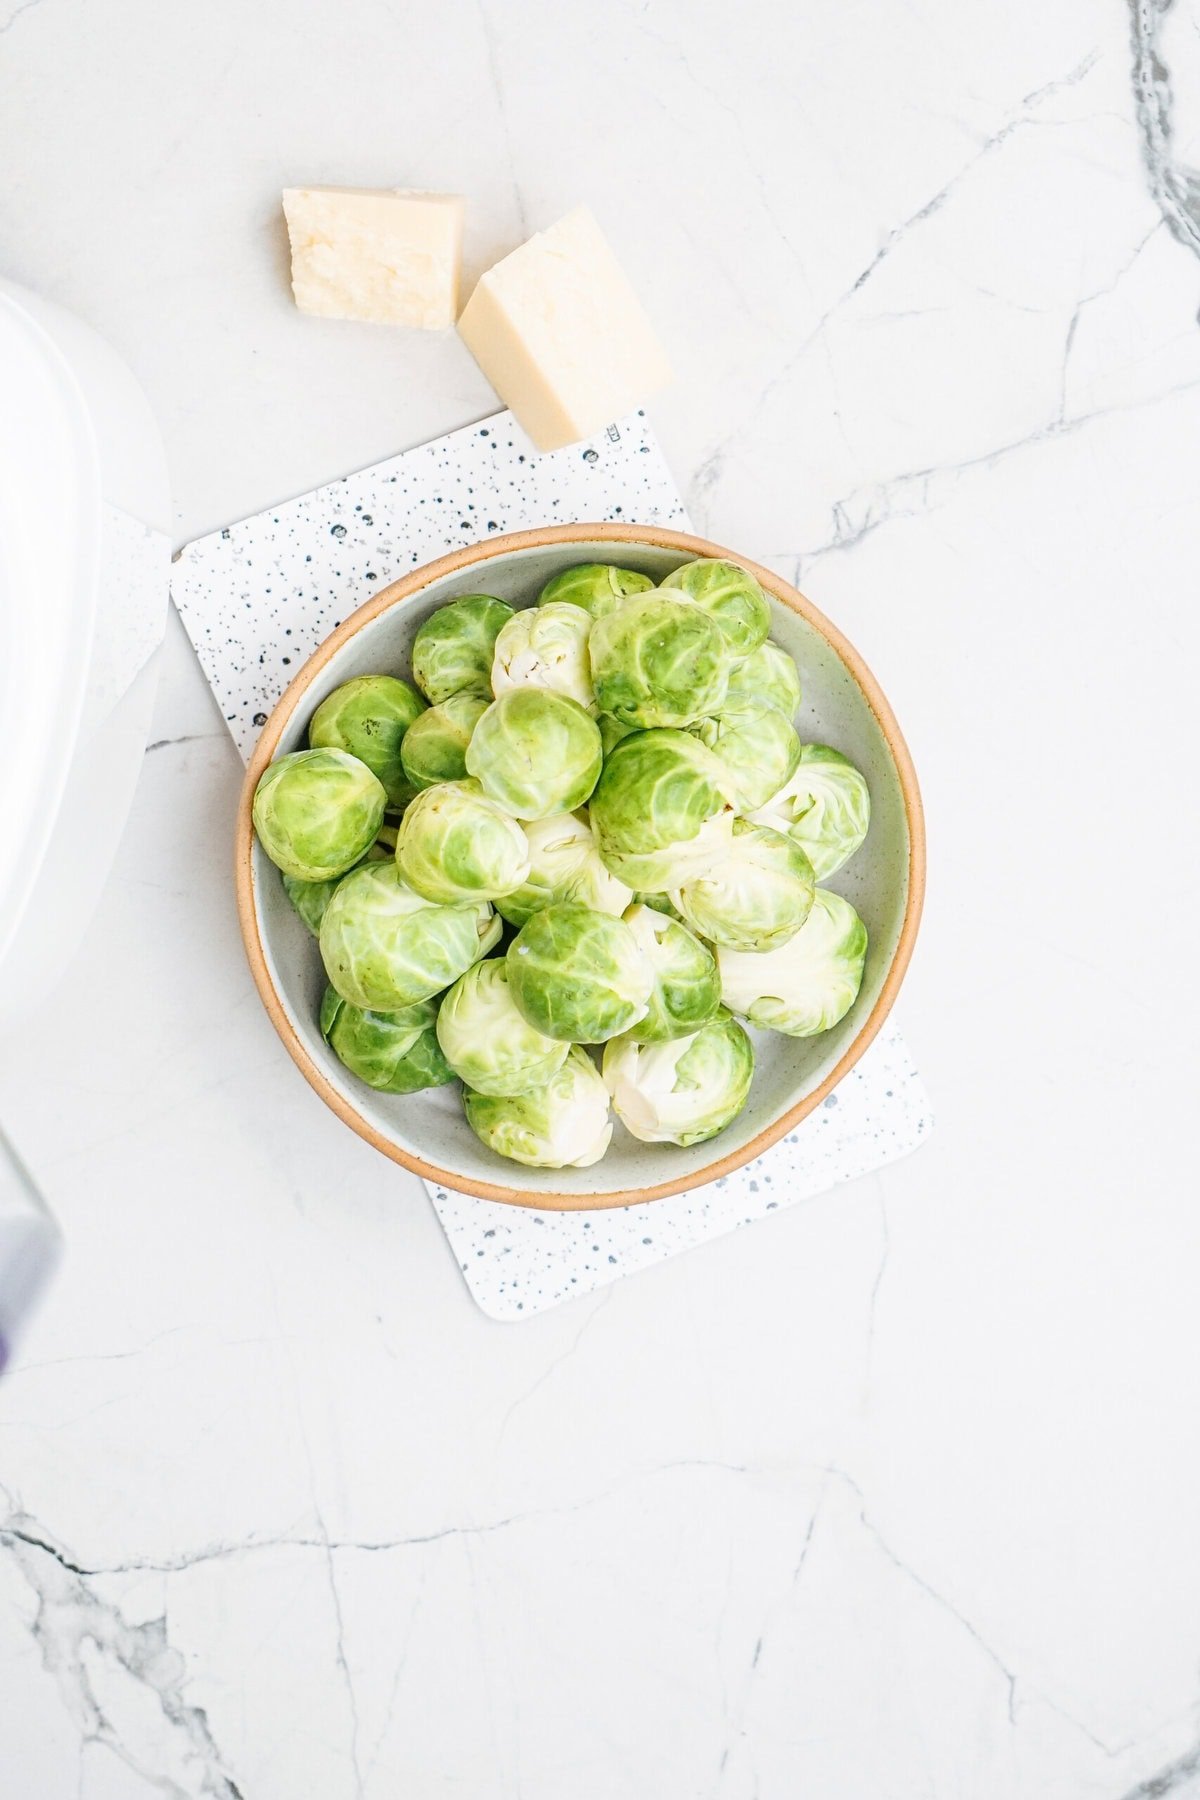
[{"x": 257, "y": 598}]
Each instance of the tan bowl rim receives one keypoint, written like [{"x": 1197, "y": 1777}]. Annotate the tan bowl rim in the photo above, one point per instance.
[{"x": 474, "y": 556}]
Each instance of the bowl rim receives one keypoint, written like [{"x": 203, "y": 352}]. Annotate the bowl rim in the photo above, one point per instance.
[{"x": 477, "y": 556}]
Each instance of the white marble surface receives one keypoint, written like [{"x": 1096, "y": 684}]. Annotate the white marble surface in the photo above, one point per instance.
[{"x": 893, "y": 1495}]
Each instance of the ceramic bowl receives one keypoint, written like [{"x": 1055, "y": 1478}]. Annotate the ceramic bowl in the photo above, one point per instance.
[{"x": 842, "y": 706}]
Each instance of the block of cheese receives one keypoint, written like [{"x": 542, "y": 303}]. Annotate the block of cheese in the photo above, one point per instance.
[
  {"x": 391, "y": 255},
  {"x": 561, "y": 335}
]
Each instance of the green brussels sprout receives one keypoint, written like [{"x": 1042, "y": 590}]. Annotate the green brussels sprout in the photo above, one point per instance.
[
  {"x": 661, "y": 812},
  {"x": 536, "y": 753},
  {"x": 456, "y": 845},
  {"x": 824, "y": 806},
  {"x": 809, "y": 984},
  {"x": 564, "y": 1124},
  {"x": 682, "y": 1091},
  {"x": 317, "y": 811},
  {"x": 369, "y": 716},
  {"x": 612, "y": 731},
  {"x": 729, "y": 595},
  {"x": 564, "y": 864},
  {"x": 385, "y": 948},
  {"x": 452, "y": 651},
  {"x": 659, "y": 660},
  {"x": 661, "y": 904},
  {"x": 487, "y": 1042},
  {"x": 311, "y": 898},
  {"x": 687, "y": 987},
  {"x": 757, "y": 898},
  {"x": 578, "y": 975},
  {"x": 435, "y": 747},
  {"x": 757, "y": 746},
  {"x": 396, "y": 1052},
  {"x": 768, "y": 673},
  {"x": 598, "y": 587},
  {"x": 545, "y": 647}
]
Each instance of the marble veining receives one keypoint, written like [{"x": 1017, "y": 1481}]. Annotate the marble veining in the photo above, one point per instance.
[{"x": 893, "y": 1495}]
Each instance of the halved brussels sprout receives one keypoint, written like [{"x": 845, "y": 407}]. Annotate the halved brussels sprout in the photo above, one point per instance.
[
  {"x": 564, "y": 864},
  {"x": 385, "y": 948},
  {"x": 578, "y": 975},
  {"x": 434, "y": 748},
  {"x": 369, "y": 716},
  {"x": 687, "y": 986},
  {"x": 564, "y": 1124},
  {"x": 453, "y": 649},
  {"x": 598, "y": 587},
  {"x": 757, "y": 898},
  {"x": 684, "y": 1091},
  {"x": 536, "y": 753},
  {"x": 317, "y": 811},
  {"x": 661, "y": 812},
  {"x": 545, "y": 647},
  {"x": 396, "y": 1052},
  {"x": 768, "y": 673},
  {"x": 487, "y": 1042},
  {"x": 825, "y": 807},
  {"x": 659, "y": 660},
  {"x": 455, "y": 845},
  {"x": 810, "y": 983},
  {"x": 757, "y": 746},
  {"x": 729, "y": 595}
]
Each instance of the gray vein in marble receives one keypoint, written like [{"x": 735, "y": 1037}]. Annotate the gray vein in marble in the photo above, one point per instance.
[
  {"x": 1081, "y": 307},
  {"x": 1169, "y": 1780},
  {"x": 70, "y": 1617},
  {"x": 25, "y": 7},
  {"x": 862, "y": 512},
  {"x": 1174, "y": 186},
  {"x": 555, "y": 1364},
  {"x": 709, "y": 470}
]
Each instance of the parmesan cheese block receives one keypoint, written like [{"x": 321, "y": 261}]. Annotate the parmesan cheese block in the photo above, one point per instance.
[
  {"x": 561, "y": 335},
  {"x": 389, "y": 255}
]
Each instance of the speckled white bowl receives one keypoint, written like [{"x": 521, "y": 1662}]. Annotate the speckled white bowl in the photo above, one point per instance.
[{"x": 842, "y": 706}]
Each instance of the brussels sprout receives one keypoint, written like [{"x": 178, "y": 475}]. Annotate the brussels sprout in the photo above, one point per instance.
[
  {"x": 385, "y": 948},
  {"x": 598, "y": 587},
  {"x": 768, "y": 673},
  {"x": 487, "y": 1041},
  {"x": 435, "y": 747},
  {"x": 661, "y": 813},
  {"x": 687, "y": 987},
  {"x": 810, "y": 983},
  {"x": 730, "y": 596},
  {"x": 659, "y": 660},
  {"x": 317, "y": 811},
  {"x": 456, "y": 845},
  {"x": 684, "y": 1091},
  {"x": 824, "y": 807},
  {"x": 578, "y": 975},
  {"x": 545, "y": 647},
  {"x": 757, "y": 898},
  {"x": 659, "y": 903},
  {"x": 536, "y": 753},
  {"x": 612, "y": 731},
  {"x": 564, "y": 864},
  {"x": 757, "y": 746},
  {"x": 311, "y": 898},
  {"x": 564, "y": 1124},
  {"x": 396, "y": 1052},
  {"x": 453, "y": 649},
  {"x": 369, "y": 716}
]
